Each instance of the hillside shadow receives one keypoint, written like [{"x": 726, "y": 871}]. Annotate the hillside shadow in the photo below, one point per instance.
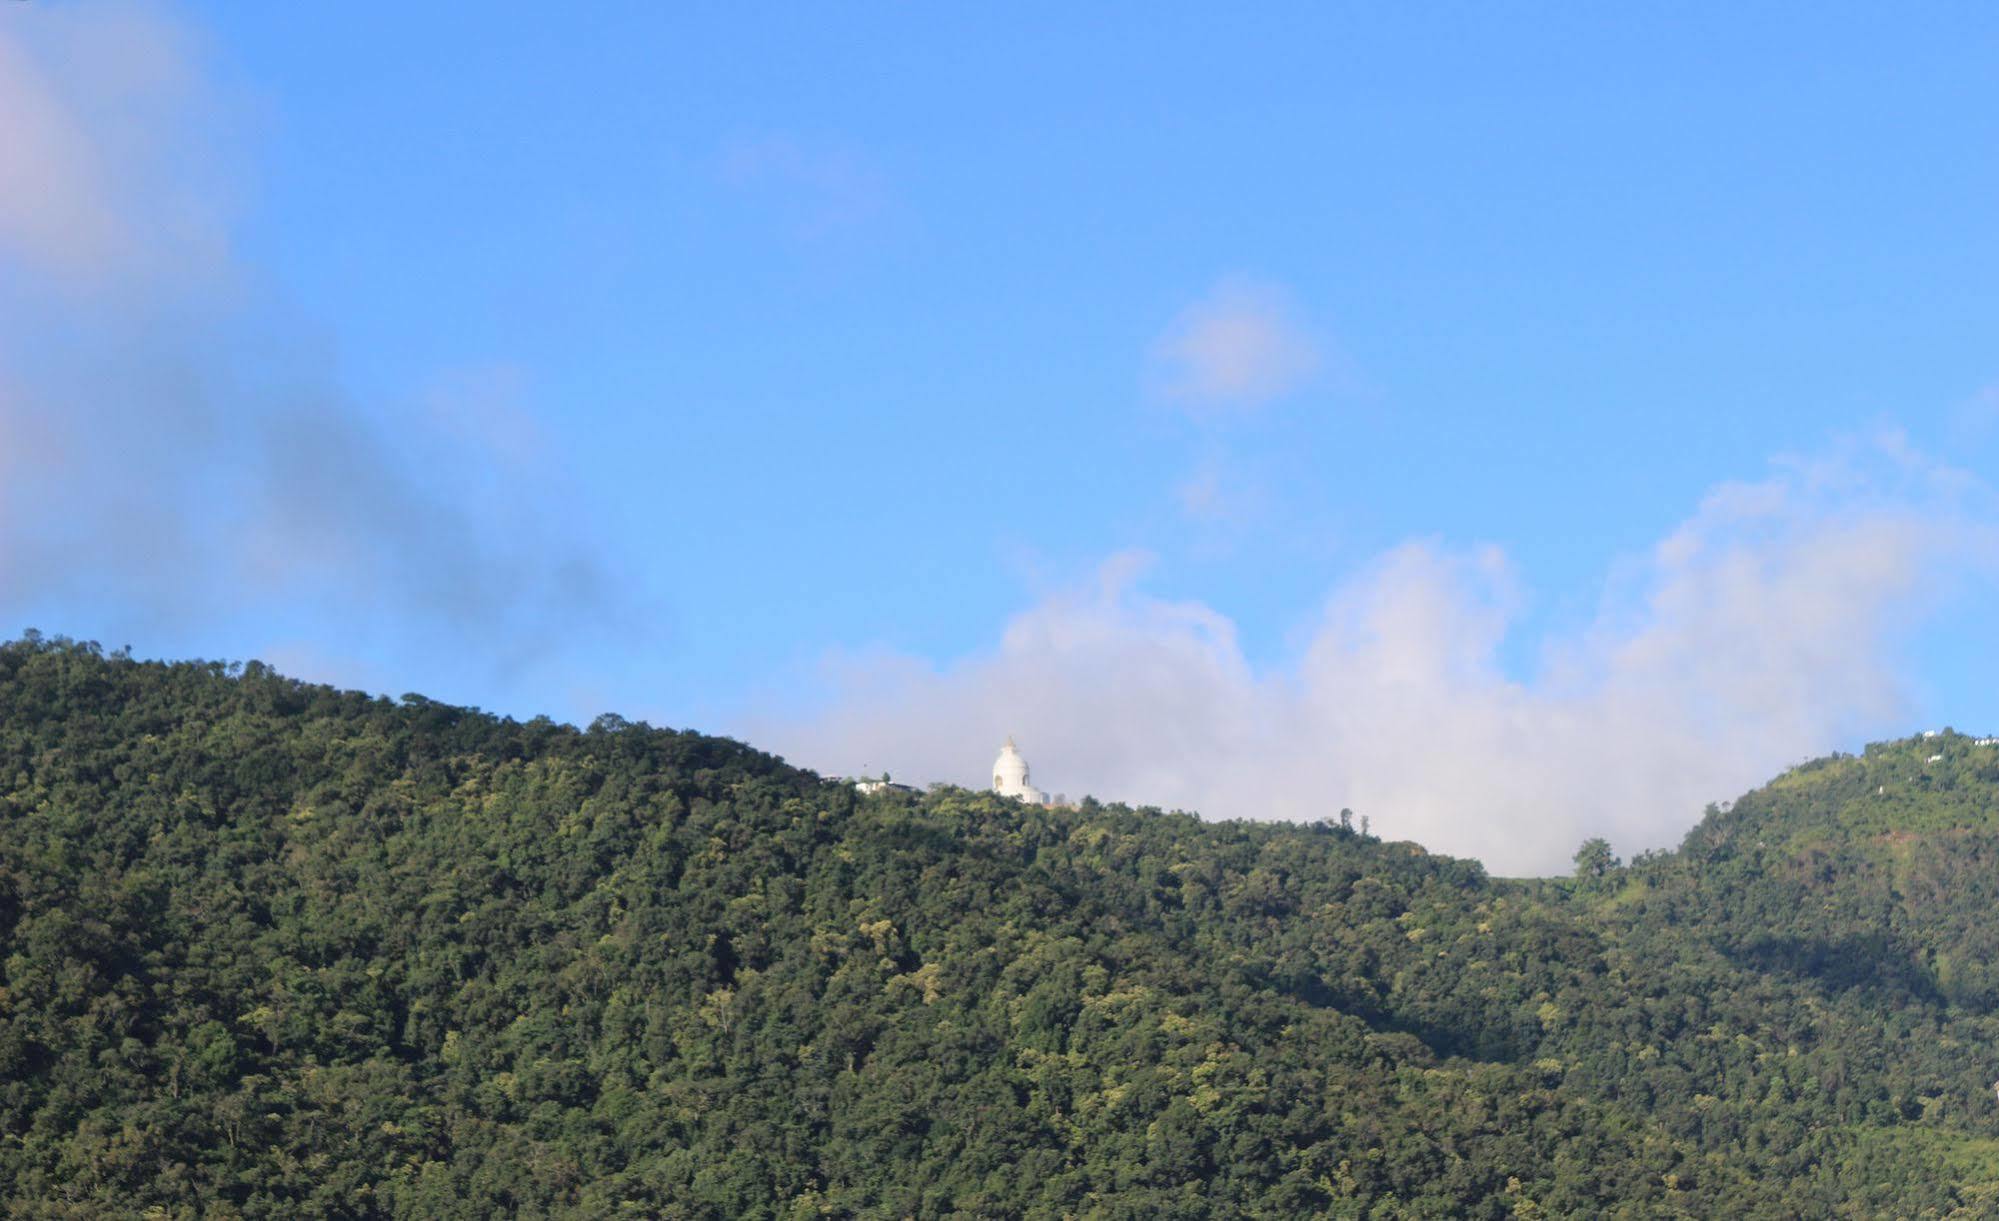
[{"x": 1841, "y": 964}]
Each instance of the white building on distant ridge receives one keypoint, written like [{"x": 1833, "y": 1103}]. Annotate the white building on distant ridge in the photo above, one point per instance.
[
  {"x": 1010, "y": 777},
  {"x": 868, "y": 784}
]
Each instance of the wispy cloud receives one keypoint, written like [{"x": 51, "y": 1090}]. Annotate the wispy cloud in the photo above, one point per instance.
[
  {"x": 1241, "y": 346},
  {"x": 815, "y": 187},
  {"x": 102, "y": 180},
  {"x": 1222, "y": 495},
  {"x": 1763, "y": 630},
  {"x": 1976, "y": 419},
  {"x": 177, "y": 445},
  {"x": 53, "y": 208},
  {"x": 485, "y": 408}
]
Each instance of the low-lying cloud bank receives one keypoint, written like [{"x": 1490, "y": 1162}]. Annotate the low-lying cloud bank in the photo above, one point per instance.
[{"x": 1765, "y": 629}]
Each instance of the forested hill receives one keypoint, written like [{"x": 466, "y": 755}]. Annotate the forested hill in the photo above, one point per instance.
[{"x": 268, "y": 949}]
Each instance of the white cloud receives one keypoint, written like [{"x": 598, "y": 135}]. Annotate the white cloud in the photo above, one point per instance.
[
  {"x": 1762, "y": 631},
  {"x": 101, "y": 179},
  {"x": 1239, "y": 347},
  {"x": 52, "y": 197}
]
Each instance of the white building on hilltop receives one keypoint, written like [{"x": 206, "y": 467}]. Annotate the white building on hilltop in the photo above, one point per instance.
[{"x": 1010, "y": 777}]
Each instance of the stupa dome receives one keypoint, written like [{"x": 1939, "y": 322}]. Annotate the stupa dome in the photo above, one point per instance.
[{"x": 1010, "y": 776}]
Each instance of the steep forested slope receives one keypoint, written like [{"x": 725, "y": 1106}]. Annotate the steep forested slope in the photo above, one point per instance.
[
  {"x": 1880, "y": 868},
  {"x": 269, "y": 949}
]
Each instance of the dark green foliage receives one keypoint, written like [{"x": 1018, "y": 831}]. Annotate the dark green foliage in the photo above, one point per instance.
[
  {"x": 273, "y": 950},
  {"x": 1596, "y": 865}
]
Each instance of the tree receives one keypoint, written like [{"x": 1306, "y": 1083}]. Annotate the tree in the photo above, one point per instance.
[{"x": 1595, "y": 862}]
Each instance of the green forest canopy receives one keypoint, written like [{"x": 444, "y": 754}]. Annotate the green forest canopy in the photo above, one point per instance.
[{"x": 269, "y": 949}]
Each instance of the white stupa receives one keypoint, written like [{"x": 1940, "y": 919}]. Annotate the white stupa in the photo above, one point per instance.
[{"x": 1010, "y": 777}]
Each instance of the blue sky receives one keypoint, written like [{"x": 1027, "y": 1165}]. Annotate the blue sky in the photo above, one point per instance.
[{"x": 726, "y": 367}]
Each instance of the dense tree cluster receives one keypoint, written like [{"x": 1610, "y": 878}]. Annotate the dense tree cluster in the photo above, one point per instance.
[{"x": 274, "y": 950}]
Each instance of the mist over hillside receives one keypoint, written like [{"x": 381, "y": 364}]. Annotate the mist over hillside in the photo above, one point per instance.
[{"x": 273, "y": 949}]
